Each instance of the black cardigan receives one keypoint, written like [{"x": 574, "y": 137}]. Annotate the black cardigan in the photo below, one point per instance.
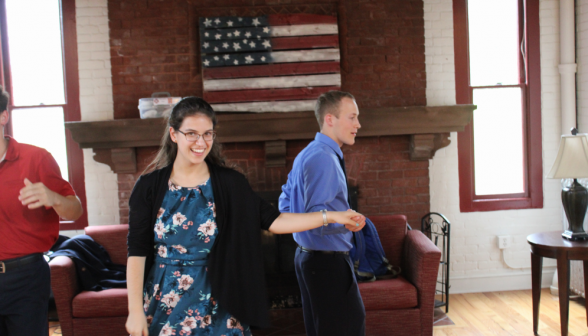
[{"x": 235, "y": 264}]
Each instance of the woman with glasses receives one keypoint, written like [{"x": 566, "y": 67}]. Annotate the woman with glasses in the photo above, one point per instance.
[{"x": 195, "y": 263}]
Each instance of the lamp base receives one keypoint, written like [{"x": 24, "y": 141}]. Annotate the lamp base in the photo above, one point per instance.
[
  {"x": 567, "y": 234},
  {"x": 575, "y": 202}
]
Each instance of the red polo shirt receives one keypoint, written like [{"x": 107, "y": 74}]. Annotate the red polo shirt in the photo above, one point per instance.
[{"x": 22, "y": 230}]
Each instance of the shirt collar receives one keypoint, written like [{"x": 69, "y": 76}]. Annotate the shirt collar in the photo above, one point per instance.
[
  {"x": 329, "y": 142},
  {"x": 12, "y": 151}
]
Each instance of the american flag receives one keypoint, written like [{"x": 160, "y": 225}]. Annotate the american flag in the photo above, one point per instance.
[{"x": 275, "y": 63}]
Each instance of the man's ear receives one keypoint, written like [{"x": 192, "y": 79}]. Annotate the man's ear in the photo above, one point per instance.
[
  {"x": 328, "y": 120},
  {"x": 3, "y": 118}
]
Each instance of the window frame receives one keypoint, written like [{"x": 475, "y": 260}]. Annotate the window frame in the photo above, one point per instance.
[
  {"x": 71, "y": 108},
  {"x": 532, "y": 197}
]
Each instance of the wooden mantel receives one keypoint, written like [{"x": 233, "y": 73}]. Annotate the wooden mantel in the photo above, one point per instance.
[{"x": 114, "y": 141}]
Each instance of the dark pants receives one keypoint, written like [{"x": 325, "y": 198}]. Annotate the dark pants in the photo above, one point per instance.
[
  {"x": 330, "y": 297},
  {"x": 24, "y": 297}
]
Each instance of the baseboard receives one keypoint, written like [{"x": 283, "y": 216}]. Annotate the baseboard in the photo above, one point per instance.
[{"x": 497, "y": 282}]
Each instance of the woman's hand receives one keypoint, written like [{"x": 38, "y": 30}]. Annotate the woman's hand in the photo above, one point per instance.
[
  {"x": 353, "y": 221},
  {"x": 137, "y": 324}
]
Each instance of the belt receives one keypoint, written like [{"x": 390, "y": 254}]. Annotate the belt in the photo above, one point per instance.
[
  {"x": 13, "y": 264},
  {"x": 304, "y": 249}
]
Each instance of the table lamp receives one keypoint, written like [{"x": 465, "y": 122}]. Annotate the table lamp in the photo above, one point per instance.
[{"x": 572, "y": 162}]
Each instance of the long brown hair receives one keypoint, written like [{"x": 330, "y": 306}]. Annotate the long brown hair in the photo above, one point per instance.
[{"x": 168, "y": 151}]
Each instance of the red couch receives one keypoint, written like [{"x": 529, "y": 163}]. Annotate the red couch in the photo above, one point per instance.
[
  {"x": 402, "y": 306},
  {"x": 84, "y": 313}
]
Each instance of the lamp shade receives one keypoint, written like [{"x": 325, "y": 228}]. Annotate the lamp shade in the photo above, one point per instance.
[{"x": 572, "y": 158}]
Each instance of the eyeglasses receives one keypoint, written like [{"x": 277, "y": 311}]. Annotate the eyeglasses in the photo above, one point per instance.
[{"x": 193, "y": 136}]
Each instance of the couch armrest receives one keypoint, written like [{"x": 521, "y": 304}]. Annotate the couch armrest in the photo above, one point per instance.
[
  {"x": 421, "y": 265},
  {"x": 64, "y": 284},
  {"x": 113, "y": 238}
]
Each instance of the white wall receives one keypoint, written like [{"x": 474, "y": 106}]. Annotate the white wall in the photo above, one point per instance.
[
  {"x": 96, "y": 104},
  {"x": 582, "y": 107},
  {"x": 476, "y": 261},
  {"x": 582, "y": 61}
]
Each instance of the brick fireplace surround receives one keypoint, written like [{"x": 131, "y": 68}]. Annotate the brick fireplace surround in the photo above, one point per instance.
[
  {"x": 389, "y": 183},
  {"x": 154, "y": 48}
]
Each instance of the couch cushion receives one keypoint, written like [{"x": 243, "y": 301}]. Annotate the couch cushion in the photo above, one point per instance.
[
  {"x": 392, "y": 231},
  {"x": 388, "y": 294},
  {"x": 106, "y": 303},
  {"x": 100, "y": 326}
]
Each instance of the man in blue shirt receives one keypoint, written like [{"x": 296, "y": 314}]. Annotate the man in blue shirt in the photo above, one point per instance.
[{"x": 331, "y": 301}]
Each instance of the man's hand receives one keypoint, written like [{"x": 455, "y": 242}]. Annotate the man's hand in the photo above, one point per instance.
[
  {"x": 359, "y": 222},
  {"x": 36, "y": 195}
]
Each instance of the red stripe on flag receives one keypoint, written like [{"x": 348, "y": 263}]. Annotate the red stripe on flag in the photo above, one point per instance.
[
  {"x": 271, "y": 70},
  {"x": 305, "y": 42},
  {"x": 266, "y": 95},
  {"x": 297, "y": 19}
]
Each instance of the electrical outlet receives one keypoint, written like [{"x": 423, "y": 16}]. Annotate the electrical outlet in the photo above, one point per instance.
[{"x": 503, "y": 242}]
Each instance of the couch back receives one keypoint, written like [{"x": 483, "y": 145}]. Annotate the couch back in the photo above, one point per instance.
[
  {"x": 392, "y": 230},
  {"x": 113, "y": 238}
]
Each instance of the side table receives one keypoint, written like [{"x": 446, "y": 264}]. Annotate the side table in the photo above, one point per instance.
[{"x": 553, "y": 245}]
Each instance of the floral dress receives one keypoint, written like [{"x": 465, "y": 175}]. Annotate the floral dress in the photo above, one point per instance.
[{"x": 177, "y": 298}]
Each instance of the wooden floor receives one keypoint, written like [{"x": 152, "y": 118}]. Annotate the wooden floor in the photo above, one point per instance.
[
  {"x": 509, "y": 313},
  {"x": 54, "y": 329},
  {"x": 498, "y": 313}
]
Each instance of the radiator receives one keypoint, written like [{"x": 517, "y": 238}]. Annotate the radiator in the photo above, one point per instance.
[{"x": 577, "y": 278}]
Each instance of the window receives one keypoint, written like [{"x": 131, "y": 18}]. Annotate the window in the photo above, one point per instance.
[
  {"x": 497, "y": 68},
  {"x": 40, "y": 70}
]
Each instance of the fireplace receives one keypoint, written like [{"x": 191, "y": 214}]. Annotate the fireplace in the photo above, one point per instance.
[
  {"x": 388, "y": 167},
  {"x": 389, "y": 162}
]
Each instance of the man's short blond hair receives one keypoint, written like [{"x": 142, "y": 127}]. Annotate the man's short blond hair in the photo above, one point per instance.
[{"x": 328, "y": 103}]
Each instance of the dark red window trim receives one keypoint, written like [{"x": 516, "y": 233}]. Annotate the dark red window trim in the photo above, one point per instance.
[
  {"x": 71, "y": 109},
  {"x": 531, "y": 83}
]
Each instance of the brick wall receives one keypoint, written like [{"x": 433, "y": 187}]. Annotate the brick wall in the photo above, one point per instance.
[
  {"x": 439, "y": 60},
  {"x": 154, "y": 48},
  {"x": 388, "y": 181},
  {"x": 96, "y": 104}
]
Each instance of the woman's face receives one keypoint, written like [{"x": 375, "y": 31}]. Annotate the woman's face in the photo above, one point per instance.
[{"x": 193, "y": 152}]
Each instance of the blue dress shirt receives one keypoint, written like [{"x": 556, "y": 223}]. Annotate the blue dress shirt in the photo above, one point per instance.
[{"x": 317, "y": 182}]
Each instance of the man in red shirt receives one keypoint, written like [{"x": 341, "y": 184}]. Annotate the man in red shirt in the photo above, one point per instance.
[{"x": 33, "y": 196}]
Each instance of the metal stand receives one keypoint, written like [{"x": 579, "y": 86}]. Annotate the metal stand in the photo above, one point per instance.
[{"x": 434, "y": 225}]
